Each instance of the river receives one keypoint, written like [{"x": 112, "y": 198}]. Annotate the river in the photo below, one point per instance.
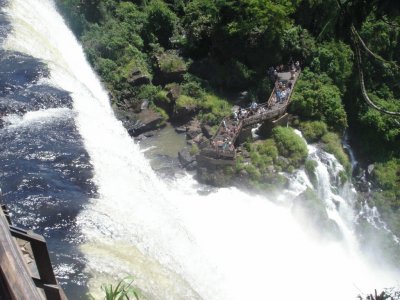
[{"x": 70, "y": 171}]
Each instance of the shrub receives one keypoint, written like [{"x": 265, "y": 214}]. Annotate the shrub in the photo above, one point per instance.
[
  {"x": 213, "y": 109},
  {"x": 185, "y": 101},
  {"x": 290, "y": 145},
  {"x": 169, "y": 63},
  {"x": 316, "y": 98},
  {"x": 160, "y": 24},
  {"x": 387, "y": 175},
  {"x": 253, "y": 172},
  {"x": 313, "y": 131},
  {"x": 148, "y": 91},
  {"x": 336, "y": 60}
]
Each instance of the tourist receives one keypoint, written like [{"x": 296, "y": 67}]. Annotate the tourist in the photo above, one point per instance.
[
  {"x": 297, "y": 65},
  {"x": 235, "y": 115}
]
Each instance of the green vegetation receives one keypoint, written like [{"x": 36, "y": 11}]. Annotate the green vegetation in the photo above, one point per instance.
[
  {"x": 219, "y": 48},
  {"x": 170, "y": 63},
  {"x": 313, "y": 131},
  {"x": 317, "y": 98},
  {"x": 332, "y": 144},
  {"x": 290, "y": 145},
  {"x": 122, "y": 291}
]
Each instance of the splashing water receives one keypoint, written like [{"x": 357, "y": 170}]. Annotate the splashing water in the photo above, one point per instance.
[{"x": 177, "y": 243}]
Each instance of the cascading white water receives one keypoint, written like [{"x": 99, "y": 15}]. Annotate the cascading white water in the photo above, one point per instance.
[{"x": 177, "y": 243}]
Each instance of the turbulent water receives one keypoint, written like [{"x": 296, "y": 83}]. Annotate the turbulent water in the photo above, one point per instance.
[{"x": 70, "y": 170}]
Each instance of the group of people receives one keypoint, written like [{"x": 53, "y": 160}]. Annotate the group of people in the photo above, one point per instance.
[
  {"x": 243, "y": 113},
  {"x": 230, "y": 127},
  {"x": 282, "y": 91},
  {"x": 292, "y": 67},
  {"x": 223, "y": 145}
]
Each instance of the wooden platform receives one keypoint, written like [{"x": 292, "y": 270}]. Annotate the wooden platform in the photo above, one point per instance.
[
  {"x": 25, "y": 267},
  {"x": 222, "y": 144}
]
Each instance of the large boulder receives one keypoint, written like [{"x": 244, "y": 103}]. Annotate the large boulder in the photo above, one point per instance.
[
  {"x": 185, "y": 108},
  {"x": 207, "y": 131},
  {"x": 170, "y": 68},
  {"x": 136, "y": 124},
  {"x": 193, "y": 129},
  {"x": 185, "y": 158},
  {"x": 138, "y": 78}
]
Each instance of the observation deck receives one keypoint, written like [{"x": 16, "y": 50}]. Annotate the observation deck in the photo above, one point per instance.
[{"x": 222, "y": 145}]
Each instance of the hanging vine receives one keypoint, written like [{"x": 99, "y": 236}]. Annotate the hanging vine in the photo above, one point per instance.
[{"x": 357, "y": 41}]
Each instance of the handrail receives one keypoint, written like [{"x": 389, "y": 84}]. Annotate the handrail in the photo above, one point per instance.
[{"x": 14, "y": 271}]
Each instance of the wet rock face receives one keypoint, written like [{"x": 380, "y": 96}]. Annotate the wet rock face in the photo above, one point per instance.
[
  {"x": 207, "y": 131},
  {"x": 137, "y": 124},
  {"x": 187, "y": 160},
  {"x": 193, "y": 129}
]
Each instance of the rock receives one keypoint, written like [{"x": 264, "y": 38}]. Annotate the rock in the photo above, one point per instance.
[
  {"x": 207, "y": 131},
  {"x": 185, "y": 113},
  {"x": 144, "y": 136},
  {"x": 144, "y": 105},
  {"x": 170, "y": 68},
  {"x": 192, "y": 133},
  {"x": 145, "y": 121},
  {"x": 193, "y": 129},
  {"x": 174, "y": 92},
  {"x": 180, "y": 129},
  {"x": 185, "y": 158},
  {"x": 198, "y": 138},
  {"x": 137, "y": 78},
  {"x": 192, "y": 166}
]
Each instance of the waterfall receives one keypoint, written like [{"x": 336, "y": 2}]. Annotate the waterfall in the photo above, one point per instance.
[{"x": 177, "y": 243}]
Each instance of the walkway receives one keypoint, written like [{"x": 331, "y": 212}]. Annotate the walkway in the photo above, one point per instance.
[{"x": 222, "y": 144}]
